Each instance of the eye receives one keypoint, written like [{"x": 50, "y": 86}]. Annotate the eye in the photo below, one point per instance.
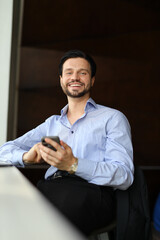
[{"x": 83, "y": 73}]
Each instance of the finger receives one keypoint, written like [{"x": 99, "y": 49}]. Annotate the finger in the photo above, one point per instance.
[
  {"x": 47, "y": 150},
  {"x": 64, "y": 144},
  {"x": 52, "y": 163},
  {"x": 48, "y": 158},
  {"x": 39, "y": 157},
  {"x": 48, "y": 154},
  {"x": 66, "y": 148},
  {"x": 53, "y": 143}
]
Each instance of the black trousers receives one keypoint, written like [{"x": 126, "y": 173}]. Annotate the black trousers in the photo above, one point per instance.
[{"x": 87, "y": 206}]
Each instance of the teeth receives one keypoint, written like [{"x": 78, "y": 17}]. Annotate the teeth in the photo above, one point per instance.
[{"x": 75, "y": 85}]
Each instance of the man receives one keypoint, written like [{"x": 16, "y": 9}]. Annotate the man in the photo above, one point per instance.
[{"x": 94, "y": 156}]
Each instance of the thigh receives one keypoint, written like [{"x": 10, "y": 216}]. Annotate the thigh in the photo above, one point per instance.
[{"x": 86, "y": 205}]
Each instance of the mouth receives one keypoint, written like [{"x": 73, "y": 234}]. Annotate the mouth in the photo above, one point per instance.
[{"x": 75, "y": 84}]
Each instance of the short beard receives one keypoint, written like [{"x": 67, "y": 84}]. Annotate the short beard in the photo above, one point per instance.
[
  {"x": 81, "y": 94},
  {"x": 75, "y": 93}
]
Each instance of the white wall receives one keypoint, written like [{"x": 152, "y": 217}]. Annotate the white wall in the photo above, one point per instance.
[{"x": 5, "y": 53}]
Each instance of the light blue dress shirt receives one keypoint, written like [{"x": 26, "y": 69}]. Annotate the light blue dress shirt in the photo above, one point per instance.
[{"x": 100, "y": 139}]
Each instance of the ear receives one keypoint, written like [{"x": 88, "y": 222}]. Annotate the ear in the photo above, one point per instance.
[
  {"x": 60, "y": 79},
  {"x": 92, "y": 81}
]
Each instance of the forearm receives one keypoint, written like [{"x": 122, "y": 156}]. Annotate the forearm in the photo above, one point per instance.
[
  {"x": 14, "y": 150},
  {"x": 111, "y": 173},
  {"x": 12, "y": 153}
]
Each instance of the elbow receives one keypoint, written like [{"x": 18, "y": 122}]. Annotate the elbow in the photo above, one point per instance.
[{"x": 127, "y": 182}]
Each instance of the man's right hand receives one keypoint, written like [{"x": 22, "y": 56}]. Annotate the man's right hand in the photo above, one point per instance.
[{"x": 33, "y": 155}]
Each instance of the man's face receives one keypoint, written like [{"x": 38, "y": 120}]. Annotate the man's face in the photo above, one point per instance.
[{"x": 76, "y": 78}]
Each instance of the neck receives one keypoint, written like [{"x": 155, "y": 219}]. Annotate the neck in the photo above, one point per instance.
[{"x": 76, "y": 108}]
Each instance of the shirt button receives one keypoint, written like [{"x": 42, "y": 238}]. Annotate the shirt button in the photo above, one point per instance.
[{"x": 72, "y": 132}]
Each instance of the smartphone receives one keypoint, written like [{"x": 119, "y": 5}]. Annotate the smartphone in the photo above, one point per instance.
[{"x": 54, "y": 138}]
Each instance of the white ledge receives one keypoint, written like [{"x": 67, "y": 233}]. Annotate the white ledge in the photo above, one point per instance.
[{"x": 26, "y": 214}]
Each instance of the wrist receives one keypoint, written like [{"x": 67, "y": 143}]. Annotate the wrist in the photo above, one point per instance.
[
  {"x": 73, "y": 167},
  {"x": 24, "y": 159}
]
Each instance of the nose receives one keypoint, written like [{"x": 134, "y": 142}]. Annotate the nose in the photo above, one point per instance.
[{"x": 75, "y": 76}]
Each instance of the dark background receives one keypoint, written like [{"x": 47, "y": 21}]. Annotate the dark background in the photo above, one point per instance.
[{"x": 123, "y": 37}]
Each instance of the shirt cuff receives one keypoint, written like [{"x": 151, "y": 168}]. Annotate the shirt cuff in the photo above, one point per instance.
[{"x": 17, "y": 158}]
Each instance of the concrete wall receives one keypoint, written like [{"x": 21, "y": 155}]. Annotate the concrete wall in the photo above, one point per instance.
[{"x": 6, "y": 12}]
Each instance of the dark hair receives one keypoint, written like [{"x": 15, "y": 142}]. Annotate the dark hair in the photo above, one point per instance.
[{"x": 77, "y": 54}]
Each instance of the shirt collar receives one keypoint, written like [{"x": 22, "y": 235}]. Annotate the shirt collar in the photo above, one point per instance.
[{"x": 90, "y": 105}]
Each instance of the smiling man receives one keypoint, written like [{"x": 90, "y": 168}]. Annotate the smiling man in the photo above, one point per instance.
[
  {"x": 95, "y": 153},
  {"x": 76, "y": 80}
]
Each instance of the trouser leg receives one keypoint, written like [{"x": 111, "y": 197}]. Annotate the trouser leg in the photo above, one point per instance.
[{"x": 86, "y": 205}]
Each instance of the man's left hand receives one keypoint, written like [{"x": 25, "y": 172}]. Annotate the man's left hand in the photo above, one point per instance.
[{"x": 62, "y": 159}]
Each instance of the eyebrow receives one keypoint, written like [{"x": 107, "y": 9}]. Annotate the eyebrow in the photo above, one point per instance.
[{"x": 81, "y": 69}]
